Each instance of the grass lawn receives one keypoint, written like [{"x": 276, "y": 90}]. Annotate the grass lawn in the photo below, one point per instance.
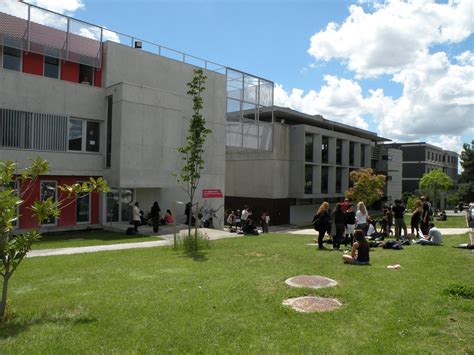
[
  {"x": 452, "y": 222},
  {"x": 228, "y": 300},
  {"x": 87, "y": 238}
]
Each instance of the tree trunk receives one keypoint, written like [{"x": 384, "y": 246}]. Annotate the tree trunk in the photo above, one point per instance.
[
  {"x": 3, "y": 303},
  {"x": 196, "y": 228}
]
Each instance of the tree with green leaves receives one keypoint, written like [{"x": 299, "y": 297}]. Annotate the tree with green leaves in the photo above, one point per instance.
[
  {"x": 367, "y": 186},
  {"x": 15, "y": 246},
  {"x": 435, "y": 182},
  {"x": 466, "y": 179},
  {"x": 193, "y": 149}
]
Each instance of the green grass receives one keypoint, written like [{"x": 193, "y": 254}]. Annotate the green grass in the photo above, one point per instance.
[
  {"x": 452, "y": 222},
  {"x": 228, "y": 300},
  {"x": 87, "y": 238}
]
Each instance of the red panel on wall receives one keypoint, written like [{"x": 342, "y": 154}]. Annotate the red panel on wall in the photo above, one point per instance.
[
  {"x": 70, "y": 71},
  {"x": 29, "y": 193},
  {"x": 68, "y": 203},
  {"x": 98, "y": 77},
  {"x": 33, "y": 63}
]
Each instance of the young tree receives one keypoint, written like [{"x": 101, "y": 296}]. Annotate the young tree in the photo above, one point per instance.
[
  {"x": 435, "y": 182},
  {"x": 13, "y": 246},
  {"x": 193, "y": 149},
  {"x": 466, "y": 180},
  {"x": 368, "y": 186}
]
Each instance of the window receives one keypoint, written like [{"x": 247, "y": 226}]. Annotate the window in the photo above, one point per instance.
[
  {"x": 338, "y": 180},
  {"x": 51, "y": 67},
  {"x": 324, "y": 179},
  {"x": 48, "y": 189},
  {"x": 75, "y": 134},
  {"x": 389, "y": 178},
  {"x": 324, "y": 149},
  {"x": 83, "y": 204},
  {"x": 386, "y": 157},
  {"x": 11, "y": 58},
  {"x": 86, "y": 74},
  {"x": 308, "y": 152},
  {"x": 339, "y": 151},
  {"x": 84, "y": 135},
  {"x": 308, "y": 179},
  {"x": 351, "y": 153},
  {"x": 108, "y": 158}
]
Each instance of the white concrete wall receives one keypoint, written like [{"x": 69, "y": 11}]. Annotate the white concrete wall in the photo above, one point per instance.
[{"x": 302, "y": 214}]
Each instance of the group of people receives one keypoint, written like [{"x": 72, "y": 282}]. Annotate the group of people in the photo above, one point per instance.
[
  {"x": 153, "y": 218},
  {"x": 243, "y": 221},
  {"x": 348, "y": 226}
]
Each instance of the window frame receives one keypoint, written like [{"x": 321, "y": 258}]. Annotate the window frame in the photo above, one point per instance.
[
  {"x": 2, "y": 57},
  {"x": 55, "y": 199},
  {"x": 84, "y": 123},
  {"x": 44, "y": 67},
  {"x": 88, "y": 195}
]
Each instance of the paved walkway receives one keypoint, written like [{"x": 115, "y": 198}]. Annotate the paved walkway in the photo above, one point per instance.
[{"x": 213, "y": 234}]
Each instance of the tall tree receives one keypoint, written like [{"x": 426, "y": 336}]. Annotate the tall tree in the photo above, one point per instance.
[
  {"x": 14, "y": 246},
  {"x": 435, "y": 182},
  {"x": 368, "y": 186},
  {"x": 193, "y": 149},
  {"x": 466, "y": 179}
]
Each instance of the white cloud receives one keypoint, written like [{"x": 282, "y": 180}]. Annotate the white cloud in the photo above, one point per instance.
[
  {"x": 61, "y": 6},
  {"x": 465, "y": 58},
  {"x": 452, "y": 143},
  {"x": 396, "y": 34}
]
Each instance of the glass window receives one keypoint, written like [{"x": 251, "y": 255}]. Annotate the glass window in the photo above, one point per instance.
[
  {"x": 308, "y": 179},
  {"x": 75, "y": 134},
  {"x": 86, "y": 74},
  {"x": 51, "y": 67},
  {"x": 93, "y": 134},
  {"x": 11, "y": 58},
  {"x": 324, "y": 149},
  {"x": 113, "y": 205},
  {"x": 126, "y": 199},
  {"x": 48, "y": 189},
  {"x": 338, "y": 180},
  {"x": 351, "y": 153},
  {"x": 338, "y": 151},
  {"x": 308, "y": 147},
  {"x": 83, "y": 204},
  {"x": 324, "y": 179}
]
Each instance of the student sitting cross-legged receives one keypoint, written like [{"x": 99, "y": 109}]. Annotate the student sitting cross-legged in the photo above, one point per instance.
[{"x": 360, "y": 250}]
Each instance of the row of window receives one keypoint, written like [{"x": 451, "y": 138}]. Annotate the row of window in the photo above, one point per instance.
[
  {"x": 38, "y": 131},
  {"x": 441, "y": 157},
  {"x": 324, "y": 181},
  {"x": 12, "y": 60},
  {"x": 309, "y": 146}
]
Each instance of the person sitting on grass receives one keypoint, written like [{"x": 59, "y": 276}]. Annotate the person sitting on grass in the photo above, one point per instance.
[
  {"x": 433, "y": 237},
  {"x": 168, "y": 219},
  {"x": 360, "y": 250}
]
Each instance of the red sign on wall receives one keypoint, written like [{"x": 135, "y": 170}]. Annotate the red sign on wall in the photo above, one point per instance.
[{"x": 212, "y": 193}]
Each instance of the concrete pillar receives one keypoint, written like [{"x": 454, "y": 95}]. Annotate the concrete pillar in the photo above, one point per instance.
[
  {"x": 317, "y": 176},
  {"x": 332, "y": 180},
  {"x": 356, "y": 154},
  {"x": 332, "y": 151},
  {"x": 317, "y": 148},
  {"x": 345, "y": 152},
  {"x": 345, "y": 180},
  {"x": 367, "y": 156}
]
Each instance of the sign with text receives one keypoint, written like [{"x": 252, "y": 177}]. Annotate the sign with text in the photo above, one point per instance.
[{"x": 212, "y": 193}]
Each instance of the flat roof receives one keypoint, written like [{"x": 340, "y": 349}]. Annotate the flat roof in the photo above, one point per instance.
[{"x": 421, "y": 144}]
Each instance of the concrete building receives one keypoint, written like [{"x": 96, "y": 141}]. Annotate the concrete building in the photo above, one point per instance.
[
  {"x": 420, "y": 158},
  {"x": 310, "y": 161},
  {"x": 96, "y": 107},
  {"x": 388, "y": 161}
]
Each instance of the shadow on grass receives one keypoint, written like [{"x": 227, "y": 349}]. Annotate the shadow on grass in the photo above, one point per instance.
[
  {"x": 14, "y": 327},
  {"x": 195, "y": 255}
]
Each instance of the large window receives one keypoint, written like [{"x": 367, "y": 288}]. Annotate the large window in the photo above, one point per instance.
[
  {"x": 84, "y": 135},
  {"x": 119, "y": 205},
  {"x": 339, "y": 151},
  {"x": 86, "y": 74},
  {"x": 324, "y": 179},
  {"x": 11, "y": 58},
  {"x": 51, "y": 67},
  {"x": 338, "y": 180},
  {"x": 83, "y": 206},
  {"x": 308, "y": 179},
  {"x": 325, "y": 149},
  {"x": 351, "y": 153},
  {"x": 49, "y": 189},
  {"x": 308, "y": 147}
]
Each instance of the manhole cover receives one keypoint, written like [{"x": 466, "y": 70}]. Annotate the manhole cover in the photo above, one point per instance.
[
  {"x": 310, "y": 281},
  {"x": 311, "y": 304}
]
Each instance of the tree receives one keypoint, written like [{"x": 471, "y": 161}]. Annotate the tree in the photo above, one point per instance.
[
  {"x": 435, "y": 182},
  {"x": 466, "y": 179},
  {"x": 193, "y": 149},
  {"x": 13, "y": 246},
  {"x": 368, "y": 186}
]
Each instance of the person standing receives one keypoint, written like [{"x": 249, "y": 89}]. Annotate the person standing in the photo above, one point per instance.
[
  {"x": 339, "y": 219},
  {"x": 244, "y": 216},
  {"x": 398, "y": 212},
  {"x": 265, "y": 220},
  {"x": 425, "y": 216},
  {"x": 350, "y": 224},
  {"x": 155, "y": 216},
  {"x": 322, "y": 223},
  {"x": 136, "y": 216},
  {"x": 415, "y": 218},
  {"x": 361, "y": 217}
]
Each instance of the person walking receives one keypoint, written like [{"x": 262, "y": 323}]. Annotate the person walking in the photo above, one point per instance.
[
  {"x": 136, "y": 216},
  {"x": 398, "y": 212},
  {"x": 322, "y": 223},
  {"x": 339, "y": 219},
  {"x": 155, "y": 216}
]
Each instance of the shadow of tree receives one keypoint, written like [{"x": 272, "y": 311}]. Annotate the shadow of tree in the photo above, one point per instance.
[
  {"x": 196, "y": 255},
  {"x": 13, "y": 327}
]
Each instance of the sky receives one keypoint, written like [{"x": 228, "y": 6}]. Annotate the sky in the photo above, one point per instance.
[{"x": 403, "y": 69}]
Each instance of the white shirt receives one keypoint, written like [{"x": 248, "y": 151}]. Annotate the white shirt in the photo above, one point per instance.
[
  {"x": 360, "y": 217},
  {"x": 435, "y": 236},
  {"x": 136, "y": 213},
  {"x": 245, "y": 215}
]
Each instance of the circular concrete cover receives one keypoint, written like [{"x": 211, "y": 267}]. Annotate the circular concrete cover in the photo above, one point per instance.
[
  {"x": 311, "y": 304},
  {"x": 310, "y": 281}
]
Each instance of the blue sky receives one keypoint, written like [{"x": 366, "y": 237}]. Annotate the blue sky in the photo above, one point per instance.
[{"x": 404, "y": 69}]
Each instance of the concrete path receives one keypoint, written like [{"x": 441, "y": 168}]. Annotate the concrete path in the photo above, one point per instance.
[{"x": 213, "y": 234}]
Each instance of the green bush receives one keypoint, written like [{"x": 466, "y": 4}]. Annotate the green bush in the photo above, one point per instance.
[
  {"x": 189, "y": 243},
  {"x": 458, "y": 290}
]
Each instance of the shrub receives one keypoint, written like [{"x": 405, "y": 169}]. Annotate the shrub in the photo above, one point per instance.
[
  {"x": 190, "y": 243},
  {"x": 458, "y": 290}
]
